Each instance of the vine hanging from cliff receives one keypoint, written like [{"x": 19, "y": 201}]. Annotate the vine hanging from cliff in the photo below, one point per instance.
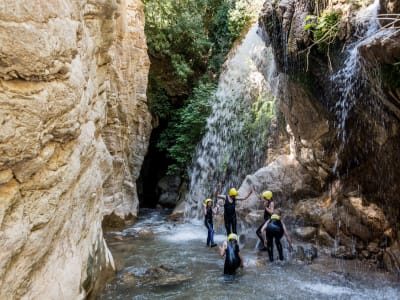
[{"x": 324, "y": 30}]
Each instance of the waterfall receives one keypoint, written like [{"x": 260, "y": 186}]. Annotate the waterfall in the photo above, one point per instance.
[
  {"x": 355, "y": 77},
  {"x": 235, "y": 142}
]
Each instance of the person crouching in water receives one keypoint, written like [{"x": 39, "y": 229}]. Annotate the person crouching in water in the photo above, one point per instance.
[
  {"x": 208, "y": 221},
  {"x": 233, "y": 258},
  {"x": 230, "y": 208},
  {"x": 268, "y": 211},
  {"x": 274, "y": 228}
]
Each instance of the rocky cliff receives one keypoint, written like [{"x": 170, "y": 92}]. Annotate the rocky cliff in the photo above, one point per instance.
[
  {"x": 74, "y": 131},
  {"x": 341, "y": 175}
]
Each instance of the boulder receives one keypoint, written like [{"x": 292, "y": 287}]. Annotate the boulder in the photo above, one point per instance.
[{"x": 305, "y": 233}]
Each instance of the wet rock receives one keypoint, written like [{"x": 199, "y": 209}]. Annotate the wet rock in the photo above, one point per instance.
[
  {"x": 310, "y": 211},
  {"x": 162, "y": 275},
  {"x": 305, "y": 233},
  {"x": 145, "y": 233},
  {"x": 168, "y": 189},
  {"x": 299, "y": 254},
  {"x": 324, "y": 239},
  {"x": 373, "y": 248},
  {"x": 343, "y": 252},
  {"x": 178, "y": 213},
  {"x": 391, "y": 258},
  {"x": 365, "y": 254},
  {"x": 118, "y": 237},
  {"x": 310, "y": 253},
  {"x": 306, "y": 254}
]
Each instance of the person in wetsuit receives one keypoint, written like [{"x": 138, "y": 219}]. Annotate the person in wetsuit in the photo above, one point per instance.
[
  {"x": 233, "y": 258},
  {"x": 230, "y": 208},
  {"x": 208, "y": 221},
  {"x": 274, "y": 229},
  {"x": 268, "y": 211}
]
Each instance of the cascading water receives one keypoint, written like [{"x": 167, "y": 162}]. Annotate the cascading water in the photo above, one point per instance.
[
  {"x": 355, "y": 78},
  {"x": 236, "y": 139},
  {"x": 360, "y": 114}
]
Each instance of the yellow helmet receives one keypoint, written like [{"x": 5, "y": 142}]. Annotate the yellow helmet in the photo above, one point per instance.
[
  {"x": 233, "y": 192},
  {"x": 207, "y": 200},
  {"x": 233, "y": 236},
  {"x": 267, "y": 195}
]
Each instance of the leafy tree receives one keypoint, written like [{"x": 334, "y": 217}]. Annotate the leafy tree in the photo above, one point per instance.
[
  {"x": 186, "y": 127},
  {"x": 190, "y": 39}
]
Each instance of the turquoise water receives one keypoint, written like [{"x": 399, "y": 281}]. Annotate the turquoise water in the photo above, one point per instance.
[{"x": 182, "y": 248}]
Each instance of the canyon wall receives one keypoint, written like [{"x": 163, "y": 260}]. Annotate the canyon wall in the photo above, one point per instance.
[
  {"x": 340, "y": 175},
  {"x": 74, "y": 131}
]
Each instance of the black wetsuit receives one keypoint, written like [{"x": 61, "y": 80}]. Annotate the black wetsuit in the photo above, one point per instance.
[
  {"x": 232, "y": 258},
  {"x": 230, "y": 215},
  {"x": 267, "y": 216},
  {"x": 274, "y": 230},
  {"x": 208, "y": 221}
]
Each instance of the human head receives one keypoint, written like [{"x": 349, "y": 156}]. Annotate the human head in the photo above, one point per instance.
[
  {"x": 267, "y": 195},
  {"x": 233, "y": 236},
  {"x": 207, "y": 201},
  {"x": 233, "y": 192}
]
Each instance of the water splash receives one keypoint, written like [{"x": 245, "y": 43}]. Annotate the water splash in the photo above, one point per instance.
[
  {"x": 354, "y": 76},
  {"x": 235, "y": 142}
]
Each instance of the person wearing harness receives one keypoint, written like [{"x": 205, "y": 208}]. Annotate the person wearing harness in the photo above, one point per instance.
[
  {"x": 230, "y": 208},
  {"x": 208, "y": 221},
  {"x": 274, "y": 228},
  {"x": 233, "y": 258},
  {"x": 268, "y": 211}
]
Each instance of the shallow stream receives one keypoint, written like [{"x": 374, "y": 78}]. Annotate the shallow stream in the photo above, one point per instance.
[{"x": 156, "y": 244}]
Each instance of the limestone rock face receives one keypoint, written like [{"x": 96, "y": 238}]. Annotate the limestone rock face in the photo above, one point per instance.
[
  {"x": 345, "y": 146},
  {"x": 74, "y": 131}
]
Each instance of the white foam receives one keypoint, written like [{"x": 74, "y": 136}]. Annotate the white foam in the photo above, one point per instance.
[{"x": 326, "y": 289}]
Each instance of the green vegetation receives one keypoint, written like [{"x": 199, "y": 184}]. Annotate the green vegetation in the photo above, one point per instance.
[
  {"x": 324, "y": 29},
  {"x": 391, "y": 75},
  {"x": 259, "y": 119},
  {"x": 188, "y": 41},
  {"x": 186, "y": 127}
]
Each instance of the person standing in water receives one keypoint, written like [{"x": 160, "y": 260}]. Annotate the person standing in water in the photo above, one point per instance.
[
  {"x": 208, "y": 221},
  {"x": 233, "y": 258},
  {"x": 274, "y": 228},
  {"x": 268, "y": 211},
  {"x": 230, "y": 208}
]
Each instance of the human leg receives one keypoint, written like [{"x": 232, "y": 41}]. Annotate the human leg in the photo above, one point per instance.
[
  {"x": 270, "y": 246},
  {"x": 234, "y": 230},
  {"x": 279, "y": 247},
  {"x": 258, "y": 232},
  {"x": 228, "y": 225},
  {"x": 210, "y": 235}
]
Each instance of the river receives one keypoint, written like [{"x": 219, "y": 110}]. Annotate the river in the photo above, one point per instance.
[{"x": 180, "y": 249}]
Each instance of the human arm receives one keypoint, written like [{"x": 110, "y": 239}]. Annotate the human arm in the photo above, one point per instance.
[
  {"x": 263, "y": 232},
  {"x": 287, "y": 236},
  {"x": 244, "y": 198},
  {"x": 216, "y": 209},
  {"x": 223, "y": 248},
  {"x": 217, "y": 195},
  {"x": 241, "y": 260}
]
